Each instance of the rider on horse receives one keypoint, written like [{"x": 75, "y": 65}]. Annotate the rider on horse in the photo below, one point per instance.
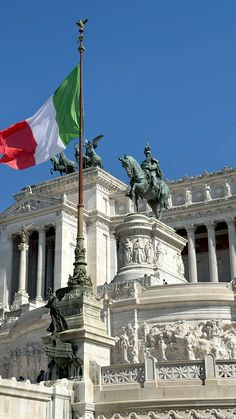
[{"x": 152, "y": 168}]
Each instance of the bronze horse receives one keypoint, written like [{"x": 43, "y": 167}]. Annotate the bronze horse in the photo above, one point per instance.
[
  {"x": 62, "y": 164},
  {"x": 156, "y": 194}
]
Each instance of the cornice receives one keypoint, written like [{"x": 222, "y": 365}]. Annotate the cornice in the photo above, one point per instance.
[
  {"x": 63, "y": 184},
  {"x": 203, "y": 177}
]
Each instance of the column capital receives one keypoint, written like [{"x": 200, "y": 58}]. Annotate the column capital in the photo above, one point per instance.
[
  {"x": 230, "y": 221},
  {"x": 190, "y": 228},
  {"x": 23, "y": 246},
  {"x": 210, "y": 224},
  {"x": 41, "y": 229}
]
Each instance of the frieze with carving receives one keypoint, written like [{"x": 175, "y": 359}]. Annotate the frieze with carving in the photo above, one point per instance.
[
  {"x": 175, "y": 341},
  {"x": 212, "y": 413},
  {"x": 7, "y": 324},
  {"x": 136, "y": 251},
  {"x": 25, "y": 361}
]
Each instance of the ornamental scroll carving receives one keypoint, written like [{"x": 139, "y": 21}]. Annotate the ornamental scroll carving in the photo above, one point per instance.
[
  {"x": 176, "y": 341},
  {"x": 213, "y": 413}
]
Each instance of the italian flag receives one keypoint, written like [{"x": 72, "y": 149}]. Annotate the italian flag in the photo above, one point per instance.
[{"x": 47, "y": 132}]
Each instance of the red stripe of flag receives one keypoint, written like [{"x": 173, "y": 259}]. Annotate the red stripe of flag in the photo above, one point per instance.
[{"x": 17, "y": 144}]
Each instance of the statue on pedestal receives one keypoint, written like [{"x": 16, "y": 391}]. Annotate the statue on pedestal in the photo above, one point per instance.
[{"x": 147, "y": 182}]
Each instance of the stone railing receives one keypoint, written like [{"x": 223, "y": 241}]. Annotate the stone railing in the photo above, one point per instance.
[
  {"x": 187, "y": 370},
  {"x": 154, "y": 371},
  {"x": 226, "y": 368},
  {"x": 122, "y": 374}
]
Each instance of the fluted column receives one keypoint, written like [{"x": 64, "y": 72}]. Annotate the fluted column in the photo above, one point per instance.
[
  {"x": 23, "y": 247},
  {"x": 192, "y": 259},
  {"x": 41, "y": 263},
  {"x": 232, "y": 246},
  {"x": 213, "y": 270},
  {"x": 22, "y": 297}
]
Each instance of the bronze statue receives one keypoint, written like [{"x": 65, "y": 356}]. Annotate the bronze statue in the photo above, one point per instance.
[
  {"x": 58, "y": 323},
  {"x": 146, "y": 182},
  {"x": 60, "y": 163},
  {"x": 90, "y": 159},
  {"x": 151, "y": 166}
]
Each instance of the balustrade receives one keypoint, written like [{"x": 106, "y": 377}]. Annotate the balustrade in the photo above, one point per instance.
[
  {"x": 170, "y": 371},
  {"x": 123, "y": 374}
]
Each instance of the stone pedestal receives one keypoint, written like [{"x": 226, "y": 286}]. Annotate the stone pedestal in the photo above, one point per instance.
[
  {"x": 88, "y": 337},
  {"x": 20, "y": 298},
  {"x": 148, "y": 247}
]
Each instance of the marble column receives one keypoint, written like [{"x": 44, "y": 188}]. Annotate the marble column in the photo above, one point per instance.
[
  {"x": 192, "y": 259},
  {"x": 6, "y": 261},
  {"x": 213, "y": 270},
  {"x": 232, "y": 246},
  {"x": 22, "y": 297},
  {"x": 41, "y": 263},
  {"x": 23, "y": 247}
]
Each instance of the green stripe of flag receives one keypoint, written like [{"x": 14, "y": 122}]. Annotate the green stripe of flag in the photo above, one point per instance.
[{"x": 66, "y": 103}]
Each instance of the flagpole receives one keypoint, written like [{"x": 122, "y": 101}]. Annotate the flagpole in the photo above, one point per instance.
[
  {"x": 80, "y": 277},
  {"x": 81, "y": 177}
]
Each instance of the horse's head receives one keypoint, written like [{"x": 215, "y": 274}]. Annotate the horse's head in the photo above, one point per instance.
[{"x": 127, "y": 163}]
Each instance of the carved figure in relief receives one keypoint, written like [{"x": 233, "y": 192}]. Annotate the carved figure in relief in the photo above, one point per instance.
[
  {"x": 162, "y": 347},
  {"x": 124, "y": 344},
  {"x": 120, "y": 254},
  {"x": 143, "y": 331},
  {"x": 159, "y": 253},
  {"x": 170, "y": 204},
  {"x": 190, "y": 341},
  {"x": 227, "y": 189},
  {"x": 149, "y": 252},
  {"x": 138, "y": 252},
  {"x": 207, "y": 193},
  {"x": 209, "y": 329},
  {"x": 231, "y": 346},
  {"x": 178, "y": 341},
  {"x": 188, "y": 197},
  {"x": 179, "y": 264},
  {"x": 132, "y": 355},
  {"x": 128, "y": 251},
  {"x": 131, "y": 334}
]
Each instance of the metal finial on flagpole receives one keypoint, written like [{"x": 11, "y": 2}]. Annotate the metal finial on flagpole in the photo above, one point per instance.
[{"x": 80, "y": 276}]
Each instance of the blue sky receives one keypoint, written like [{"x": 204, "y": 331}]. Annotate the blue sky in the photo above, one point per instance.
[{"x": 157, "y": 71}]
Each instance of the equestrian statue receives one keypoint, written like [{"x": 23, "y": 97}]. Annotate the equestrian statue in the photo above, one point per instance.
[
  {"x": 90, "y": 159},
  {"x": 147, "y": 182},
  {"x": 60, "y": 163}
]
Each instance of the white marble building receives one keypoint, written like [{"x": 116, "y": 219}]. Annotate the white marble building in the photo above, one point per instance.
[
  {"x": 202, "y": 209},
  {"x": 167, "y": 347}
]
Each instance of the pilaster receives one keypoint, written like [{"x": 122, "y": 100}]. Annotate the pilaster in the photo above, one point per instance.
[
  {"x": 232, "y": 246},
  {"x": 63, "y": 231}
]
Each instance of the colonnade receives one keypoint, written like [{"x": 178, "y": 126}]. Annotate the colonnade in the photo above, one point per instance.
[
  {"x": 211, "y": 236},
  {"x": 43, "y": 269}
]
